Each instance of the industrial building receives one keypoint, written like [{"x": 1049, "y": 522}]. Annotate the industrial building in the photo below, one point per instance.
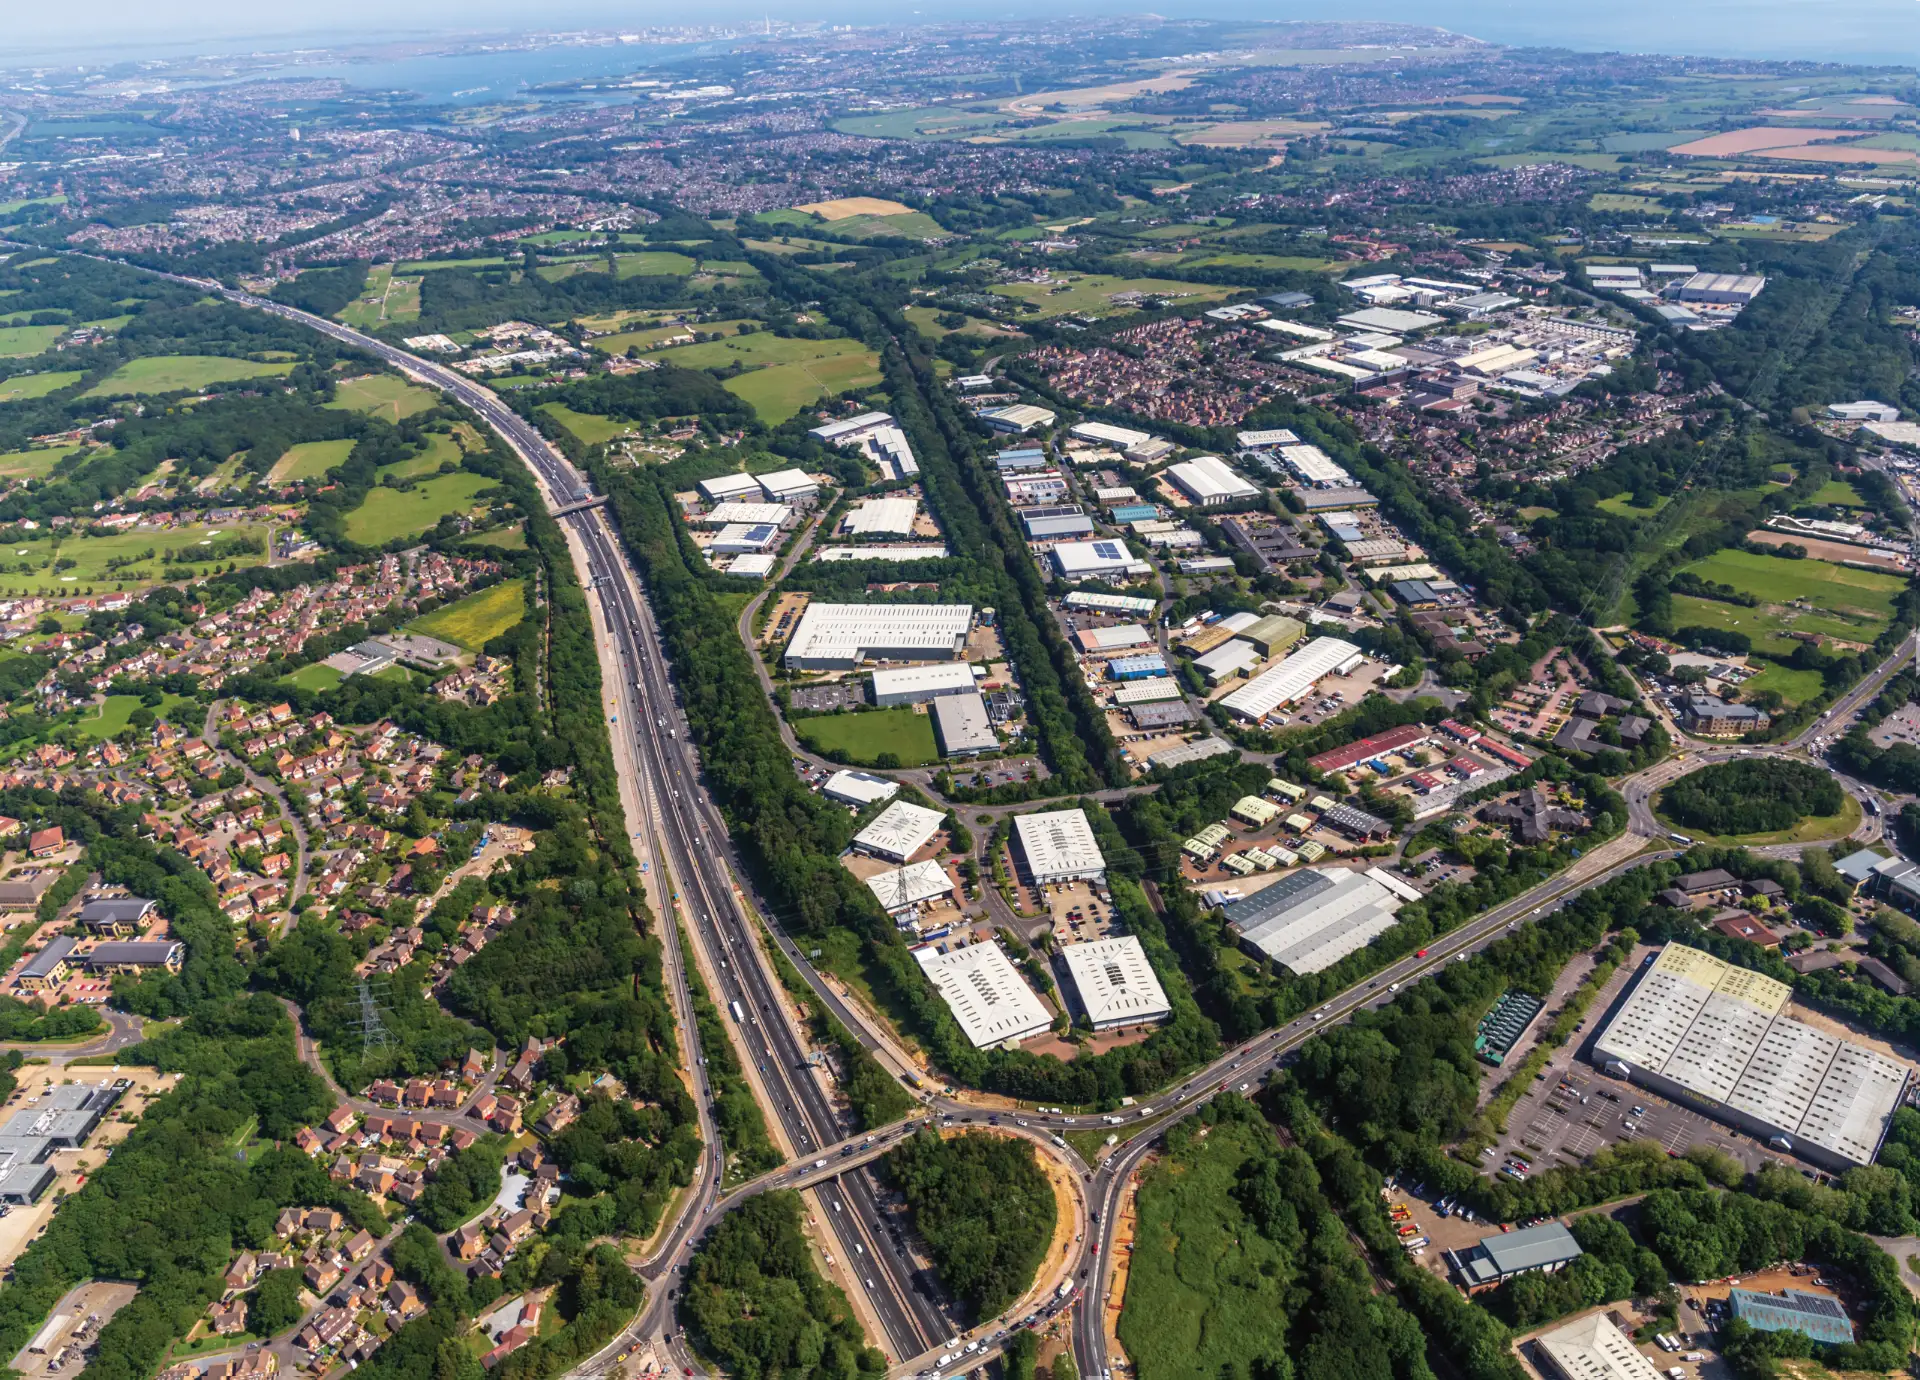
[
  {"x": 1819, "y": 1316},
  {"x": 1021, "y": 458},
  {"x": 894, "y": 685},
  {"x": 850, "y": 430},
  {"x": 1056, "y": 522},
  {"x": 725, "y": 486},
  {"x": 1156, "y": 716},
  {"x": 1227, "y": 660},
  {"x": 1273, "y": 634},
  {"x": 1728, "y": 289},
  {"x": 1499, "y": 1258},
  {"x": 1146, "y": 691},
  {"x": 1058, "y": 846},
  {"x": 1592, "y": 1348},
  {"x": 1109, "y": 603},
  {"x": 758, "y": 564},
  {"x": 1089, "y": 560},
  {"x": 985, "y": 993},
  {"x": 1119, "y": 437},
  {"x": 752, "y": 514},
  {"x": 1863, "y": 411},
  {"x": 1208, "y": 482},
  {"x": 787, "y": 486},
  {"x": 1197, "y": 751},
  {"x": 859, "y": 788},
  {"x": 838, "y": 637},
  {"x": 1115, "y": 983},
  {"x": 882, "y": 517},
  {"x": 1138, "y": 667},
  {"x": 962, "y": 727},
  {"x": 1715, "y": 1037},
  {"x": 899, "y": 831},
  {"x": 1112, "y": 639},
  {"x": 1294, "y": 678},
  {"x": 741, "y": 539},
  {"x": 1314, "y": 466},
  {"x": 1310, "y": 920},
  {"x": 907, "y": 888},
  {"x": 63, "y": 1120},
  {"x": 1020, "y": 417}
]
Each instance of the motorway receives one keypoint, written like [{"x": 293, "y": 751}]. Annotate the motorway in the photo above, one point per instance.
[{"x": 685, "y": 833}]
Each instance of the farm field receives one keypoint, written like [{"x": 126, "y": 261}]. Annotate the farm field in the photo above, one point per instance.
[
  {"x": 387, "y": 514},
  {"x": 1295, "y": 262},
  {"x": 18, "y": 342},
  {"x": 383, "y": 395},
  {"x": 589, "y": 428},
  {"x": 653, "y": 263},
  {"x": 1830, "y": 588},
  {"x": 1618, "y": 201},
  {"x": 433, "y": 265},
  {"x": 309, "y": 460},
  {"x": 848, "y": 207},
  {"x": 1089, "y": 293},
  {"x": 476, "y": 620},
  {"x": 174, "y": 373},
  {"x": 554, "y": 272},
  {"x": 27, "y": 386},
  {"x": 779, "y": 392},
  {"x": 387, "y": 297},
  {"x": 31, "y": 464},
  {"x": 863, "y": 737},
  {"x": 91, "y": 555}
]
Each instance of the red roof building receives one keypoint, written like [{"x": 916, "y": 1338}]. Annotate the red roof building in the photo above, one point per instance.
[{"x": 1353, "y": 754}]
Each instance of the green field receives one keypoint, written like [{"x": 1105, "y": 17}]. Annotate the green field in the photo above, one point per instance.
[
  {"x": 1815, "y": 830},
  {"x": 506, "y": 538},
  {"x": 1837, "y": 493},
  {"x": 1621, "y": 505},
  {"x": 437, "y": 451},
  {"x": 1239, "y": 260},
  {"x": 113, "y": 713},
  {"x": 387, "y": 513},
  {"x": 1833, "y": 588},
  {"x": 863, "y": 737},
  {"x": 778, "y": 393},
  {"x": 314, "y": 677},
  {"x": 653, "y": 263},
  {"x": 1764, "y": 626},
  {"x": 309, "y": 460},
  {"x": 555, "y": 272},
  {"x": 31, "y": 464},
  {"x": 647, "y": 338},
  {"x": 174, "y": 373},
  {"x": 589, "y": 428},
  {"x": 387, "y": 297},
  {"x": 384, "y": 395},
  {"x": 924, "y": 320},
  {"x": 91, "y": 555},
  {"x": 1204, "y": 1281},
  {"x": 432, "y": 265},
  {"x": 476, "y": 620},
  {"x": 27, "y": 386},
  {"x": 18, "y": 342},
  {"x": 1618, "y": 201},
  {"x": 1088, "y": 293},
  {"x": 1794, "y": 686}
]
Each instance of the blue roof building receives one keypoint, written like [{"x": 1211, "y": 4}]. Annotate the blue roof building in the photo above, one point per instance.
[
  {"x": 1138, "y": 667},
  {"x": 1818, "y": 1315}
]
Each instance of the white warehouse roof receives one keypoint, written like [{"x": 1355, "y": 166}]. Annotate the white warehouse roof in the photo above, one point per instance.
[
  {"x": 1123, "y": 437},
  {"x": 899, "y": 831},
  {"x": 1116, "y": 984},
  {"x": 846, "y": 634},
  {"x": 1309, "y": 920},
  {"x": 1206, "y": 479},
  {"x": 859, "y": 788},
  {"x": 941, "y": 678},
  {"x": 985, "y": 993},
  {"x": 1080, "y": 560},
  {"x": 725, "y": 514},
  {"x": 1719, "y": 1032},
  {"x": 790, "y": 482},
  {"x": 851, "y": 428},
  {"x": 1059, "y": 846},
  {"x": 1314, "y": 466},
  {"x": 883, "y": 517},
  {"x": 723, "y": 486},
  {"x": 910, "y": 885},
  {"x": 1308, "y": 665},
  {"x": 1592, "y": 1348}
]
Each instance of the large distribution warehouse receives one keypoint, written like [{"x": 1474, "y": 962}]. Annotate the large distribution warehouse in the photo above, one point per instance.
[
  {"x": 985, "y": 992},
  {"x": 838, "y": 637},
  {"x": 1116, "y": 985},
  {"x": 1292, "y": 679},
  {"x": 1310, "y": 920},
  {"x": 1059, "y": 846},
  {"x": 1712, "y": 1035}
]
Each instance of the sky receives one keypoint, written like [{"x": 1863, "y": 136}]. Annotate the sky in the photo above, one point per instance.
[{"x": 1877, "y": 31}]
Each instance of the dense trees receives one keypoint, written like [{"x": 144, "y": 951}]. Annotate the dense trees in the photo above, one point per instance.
[
  {"x": 985, "y": 1209},
  {"x": 1751, "y": 796}
]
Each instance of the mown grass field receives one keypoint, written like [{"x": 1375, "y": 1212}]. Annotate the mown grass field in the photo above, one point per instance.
[
  {"x": 1090, "y": 293},
  {"x": 383, "y": 395},
  {"x": 1202, "y": 1281},
  {"x": 1622, "y": 505},
  {"x": 589, "y": 428},
  {"x": 647, "y": 338},
  {"x": 778, "y": 393},
  {"x": 309, "y": 460},
  {"x": 439, "y": 448},
  {"x": 653, "y": 263},
  {"x": 1837, "y": 493},
  {"x": 37, "y": 385},
  {"x": 91, "y": 555},
  {"x": 863, "y": 737},
  {"x": 314, "y": 677},
  {"x": 113, "y": 714},
  {"x": 388, "y": 513},
  {"x": 387, "y": 297},
  {"x": 30, "y": 464},
  {"x": 17, "y": 342},
  {"x": 173, "y": 373},
  {"x": 1794, "y": 686},
  {"x": 476, "y": 620},
  {"x": 434, "y": 265},
  {"x": 1776, "y": 579}
]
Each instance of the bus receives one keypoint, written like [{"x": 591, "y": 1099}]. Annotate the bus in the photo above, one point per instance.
[{"x": 1679, "y": 838}]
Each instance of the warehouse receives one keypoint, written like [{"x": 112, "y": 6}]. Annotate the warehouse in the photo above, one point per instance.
[
  {"x": 1056, "y": 523},
  {"x": 1496, "y": 1259},
  {"x": 1592, "y": 1348},
  {"x": 1228, "y": 660},
  {"x": 724, "y": 486},
  {"x": 1310, "y": 920},
  {"x": 1314, "y": 466},
  {"x": 740, "y": 539},
  {"x": 753, "y": 514},
  {"x": 63, "y": 1120},
  {"x": 1863, "y": 411},
  {"x": 961, "y": 725},
  {"x": 1115, "y": 984},
  {"x": 838, "y": 637},
  {"x": 1159, "y": 715},
  {"x": 985, "y": 993},
  {"x": 1273, "y": 634},
  {"x": 1021, "y": 458},
  {"x": 882, "y": 517},
  {"x": 1294, "y": 678},
  {"x": 917, "y": 684},
  {"x": 1058, "y": 846},
  {"x": 1146, "y": 691},
  {"x": 1208, "y": 482},
  {"x": 1387, "y": 319},
  {"x": 907, "y": 888},
  {"x": 1819, "y": 1316},
  {"x": 859, "y": 788},
  {"x": 851, "y": 429},
  {"x": 1109, "y": 603},
  {"x": 899, "y": 831},
  {"x": 1715, "y": 1037},
  {"x": 1138, "y": 667},
  {"x": 1251, "y": 809},
  {"x": 1088, "y": 560},
  {"x": 1197, "y": 751},
  {"x": 1019, "y": 417},
  {"x": 758, "y": 564},
  {"x": 1400, "y": 739},
  {"x": 1119, "y": 437},
  {"x": 1116, "y": 638},
  {"x": 785, "y": 486},
  {"x": 1728, "y": 289},
  {"x": 1269, "y": 438}
]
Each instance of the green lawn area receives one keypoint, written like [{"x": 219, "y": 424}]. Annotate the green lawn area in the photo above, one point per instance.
[
  {"x": 1620, "y": 201},
  {"x": 1837, "y": 493},
  {"x": 1621, "y": 505},
  {"x": 439, "y": 448},
  {"x": 506, "y": 538},
  {"x": 384, "y": 395},
  {"x": 924, "y": 320},
  {"x": 647, "y": 338},
  {"x": 778, "y": 393},
  {"x": 387, "y": 297},
  {"x": 1089, "y": 293},
  {"x": 554, "y": 272},
  {"x": 1762, "y": 625},
  {"x": 93, "y": 553},
  {"x": 388, "y": 513},
  {"x": 27, "y": 386},
  {"x": 17, "y": 342},
  {"x": 1203, "y": 1280},
  {"x": 558, "y": 237},
  {"x": 914, "y": 225},
  {"x": 309, "y": 460},
  {"x": 1832, "y": 588},
  {"x": 864, "y": 736},
  {"x": 653, "y": 263},
  {"x": 314, "y": 677},
  {"x": 1288, "y": 261},
  {"x": 589, "y": 428},
  {"x": 1816, "y": 830},
  {"x": 476, "y": 620},
  {"x": 1794, "y": 686},
  {"x": 30, "y": 464},
  {"x": 173, "y": 373},
  {"x": 113, "y": 713},
  {"x": 432, "y": 265},
  {"x": 762, "y": 347}
]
